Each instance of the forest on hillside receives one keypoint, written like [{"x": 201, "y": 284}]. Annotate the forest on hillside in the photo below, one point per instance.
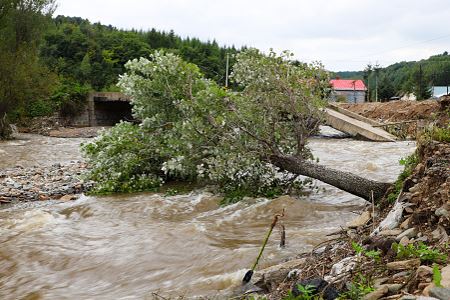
[
  {"x": 404, "y": 77},
  {"x": 58, "y": 60}
]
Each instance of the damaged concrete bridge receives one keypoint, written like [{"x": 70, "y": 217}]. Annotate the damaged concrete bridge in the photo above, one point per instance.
[{"x": 356, "y": 125}]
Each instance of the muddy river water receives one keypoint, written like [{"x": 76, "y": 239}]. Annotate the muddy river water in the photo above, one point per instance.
[{"x": 132, "y": 246}]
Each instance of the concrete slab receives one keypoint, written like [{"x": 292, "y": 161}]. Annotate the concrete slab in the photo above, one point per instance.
[{"x": 352, "y": 126}]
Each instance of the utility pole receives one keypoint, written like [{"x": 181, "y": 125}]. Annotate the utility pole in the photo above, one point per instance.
[
  {"x": 376, "y": 86},
  {"x": 419, "y": 97},
  {"x": 377, "y": 71},
  {"x": 226, "y": 70}
]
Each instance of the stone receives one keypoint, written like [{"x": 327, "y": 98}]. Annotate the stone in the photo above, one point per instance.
[
  {"x": 426, "y": 291},
  {"x": 415, "y": 188},
  {"x": 68, "y": 197},
  {"x": 43, "y": 197},
  {"x": 362, "y": 220},
  {"x": 408, "y": 297},
  {"x": 377, "y": 294},
  {"x": 410, "y": 233},
  {"x": 394, "y": 288},
  {"x": 294, "y": 273},
  {"x": 445, "y": 273},
  {"x": 318, "y": 286},
  {"x": 342, "y": 267},
  {"x": 424, "y": 271},
  {"x": 425, "y": 298},
  {"x": 403, "y": 265},
  {"x": 442, "y": 212},
  {"x": 250, "y": 288},
  {"x": 401, "y": 274},
  {"x": 404, "y": 241},
  {"x": 391, "y": 232},
  {"x": 422, "y": 239},
  {"x": 440, "y": 293},
  {"x": 440, "y": 234},
  {"x": 269, "y": 278},
  {"x": 379, "y": 282}
]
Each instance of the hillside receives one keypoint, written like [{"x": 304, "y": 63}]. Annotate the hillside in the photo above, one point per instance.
[{"x": 405, "y": 77}]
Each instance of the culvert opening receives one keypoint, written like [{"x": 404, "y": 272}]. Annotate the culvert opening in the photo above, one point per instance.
[{"x": 109, "y": 113}]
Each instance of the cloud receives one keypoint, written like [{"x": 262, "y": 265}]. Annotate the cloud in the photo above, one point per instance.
[{"x": 344, "y": 34}]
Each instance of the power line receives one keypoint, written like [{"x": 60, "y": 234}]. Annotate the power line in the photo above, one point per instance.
[{"x": 409, "y": 45}]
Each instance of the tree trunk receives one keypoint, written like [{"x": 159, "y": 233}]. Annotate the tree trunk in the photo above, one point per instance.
[
  {"x": 5, "y": 127},
  {"x": 345, "y": 181}
]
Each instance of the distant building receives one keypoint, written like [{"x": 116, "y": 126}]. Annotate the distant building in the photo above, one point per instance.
[
  {"x": 349, "y": 90},
  {"x": 438, "y": 91}
]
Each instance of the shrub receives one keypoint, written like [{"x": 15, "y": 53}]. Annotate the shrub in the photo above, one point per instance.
[
  {"x": 122, "y": 161},
  {"x": 409, "y": 163},
  {"x": 422, "y": 251},
  {"x": 70, "y": 98}
]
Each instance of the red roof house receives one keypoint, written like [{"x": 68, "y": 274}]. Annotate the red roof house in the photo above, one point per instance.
[{"x": 353, "y": 90}]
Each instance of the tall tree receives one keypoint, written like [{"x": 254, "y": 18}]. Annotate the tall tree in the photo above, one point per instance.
[
  {"x": 22, "y": 77},
  {"x": 254, "y": 139}
]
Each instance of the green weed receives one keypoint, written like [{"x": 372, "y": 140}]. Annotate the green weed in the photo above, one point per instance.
[{"x": 422, "y": 251}]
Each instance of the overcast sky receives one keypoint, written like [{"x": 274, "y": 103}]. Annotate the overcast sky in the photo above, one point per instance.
[{"x": 342, "y": 34}]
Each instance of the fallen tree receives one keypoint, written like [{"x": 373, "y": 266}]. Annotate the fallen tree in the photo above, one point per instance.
[
  {"x": 346, "y": 181},
  {"x": 252, "y": 141}
]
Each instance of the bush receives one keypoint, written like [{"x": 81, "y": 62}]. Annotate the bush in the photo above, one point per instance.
[
  {"x": 41, "y": 108},
  {"x": 409, "y": 163},
  {"x": 121, "y": 160},
  {"x": 70, "y": 98}
]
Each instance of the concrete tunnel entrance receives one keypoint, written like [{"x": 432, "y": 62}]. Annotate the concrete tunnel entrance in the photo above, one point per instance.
[{"x": 109, "y": 113}]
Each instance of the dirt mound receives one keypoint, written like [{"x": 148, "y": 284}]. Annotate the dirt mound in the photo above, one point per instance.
[{"x": 395, "y": 111}]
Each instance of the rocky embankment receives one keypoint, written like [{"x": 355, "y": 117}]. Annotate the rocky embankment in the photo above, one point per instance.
[
  {"x": 59, "y": 181},
  {"x": 398, "y": 250}
]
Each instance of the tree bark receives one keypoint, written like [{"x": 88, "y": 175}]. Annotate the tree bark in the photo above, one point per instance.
[
  {"x": 345, "y": 181},
  {"x": 5, "y": 127}
]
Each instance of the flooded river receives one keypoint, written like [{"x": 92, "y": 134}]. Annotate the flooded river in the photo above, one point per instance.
[{"x": 132, "y": 246}]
